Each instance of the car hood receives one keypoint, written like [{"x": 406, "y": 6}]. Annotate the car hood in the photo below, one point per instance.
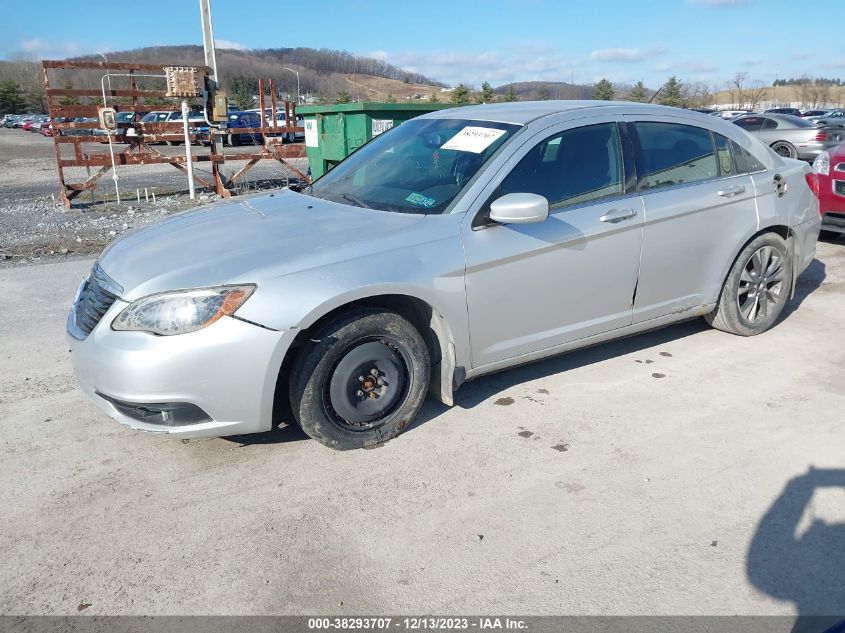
[{"x": 250, "y": 239}]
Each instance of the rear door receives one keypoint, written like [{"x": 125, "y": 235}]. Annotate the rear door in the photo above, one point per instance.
[{"x": 698, "y": 210}]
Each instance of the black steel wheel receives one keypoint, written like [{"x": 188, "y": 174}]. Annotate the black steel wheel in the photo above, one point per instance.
[{"x": 360, "y": 380}]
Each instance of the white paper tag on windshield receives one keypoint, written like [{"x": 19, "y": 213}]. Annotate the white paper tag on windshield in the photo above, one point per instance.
[{"x": 473, "y": 139}]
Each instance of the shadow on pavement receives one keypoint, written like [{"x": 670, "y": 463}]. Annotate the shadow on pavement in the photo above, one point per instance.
[{"x": 797, "y": 555}]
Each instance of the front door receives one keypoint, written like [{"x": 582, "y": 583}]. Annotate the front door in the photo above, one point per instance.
[{"x": 532, "y": 287}]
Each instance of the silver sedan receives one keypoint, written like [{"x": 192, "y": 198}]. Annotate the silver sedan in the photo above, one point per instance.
[
  {"x": 457, "y": 244},
  {"x": 791, "y": 136}
]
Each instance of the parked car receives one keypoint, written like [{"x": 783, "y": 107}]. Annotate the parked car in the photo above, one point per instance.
[
  {"x": 792, "y": 111},
  {"x": 733, "y": 114},
  {"x": 814, "y": 115},
  {"x": 281, "y": 121},
  {"x": 830, "y": 169},
  {"x": 27, "y": 124},
  {"x": 457, "y": 244},
  {"x": 836, "y": 118},
  {"x": 124, "y": 123},
  {"x": 46, "y": 129},
  {"x": 790, "y": 136},
  {"x": 11, "y": 120},
  {"x": 244, "y": 120},
  {"x": 196, "y": 124}
]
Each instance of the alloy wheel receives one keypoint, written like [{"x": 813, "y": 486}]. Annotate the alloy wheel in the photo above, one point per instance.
[{"x": 761, "y": 284}]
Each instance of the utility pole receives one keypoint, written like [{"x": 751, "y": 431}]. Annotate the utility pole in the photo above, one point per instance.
[
  {"x": 208, "y": 40},
  {"x": 296, "y": 72}
]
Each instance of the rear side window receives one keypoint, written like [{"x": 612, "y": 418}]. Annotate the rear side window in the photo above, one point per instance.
[
  {"x": 576, "y": 166},
  {"x": 725, "y": 156},
  {"x": 770, "y": 124},
  {"x": 750, "y": 123},
  {"x": 674, "y": 154},
  {"x": 745, "y": 160}
]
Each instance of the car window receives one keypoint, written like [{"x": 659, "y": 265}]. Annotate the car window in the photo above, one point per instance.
[
  {"x": 769, "y": 124},
  {"x": 418, "y": 167},
  {"x": 727, "y": 162},
  {"x": 572, "y": 167},
  {"x": 745, "y": 160},
  {"x": 750, "y": 123},
  {"x": 673, "y": 154}
]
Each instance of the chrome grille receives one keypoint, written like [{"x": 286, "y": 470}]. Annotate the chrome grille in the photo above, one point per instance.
[
  {"x": 839, "y": 187},
  {"x": 95, "y": 297}
]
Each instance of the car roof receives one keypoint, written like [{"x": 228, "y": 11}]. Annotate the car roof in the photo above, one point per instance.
[{"x": 523, "y": 112}]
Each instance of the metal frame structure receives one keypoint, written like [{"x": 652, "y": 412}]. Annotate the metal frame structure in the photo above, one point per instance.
[{"x": 138, "y": 150}]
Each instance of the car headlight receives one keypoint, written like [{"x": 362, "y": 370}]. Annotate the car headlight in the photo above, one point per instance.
[
  {"x": 822, "y": 164},
  {"x": 182, "y": 311}
]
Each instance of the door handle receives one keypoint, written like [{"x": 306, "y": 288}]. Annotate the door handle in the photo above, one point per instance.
[
  {"x": 733, "y": 191},
  {"x": 617, "y": 215}
]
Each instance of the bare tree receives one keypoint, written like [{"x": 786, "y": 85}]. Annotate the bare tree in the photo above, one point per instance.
[
  {"x": 756, "y": 93},
  {"x": 736, "y": 89}
]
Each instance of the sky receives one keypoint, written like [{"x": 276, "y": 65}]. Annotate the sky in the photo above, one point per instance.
[{"x": 466, "y": 41}]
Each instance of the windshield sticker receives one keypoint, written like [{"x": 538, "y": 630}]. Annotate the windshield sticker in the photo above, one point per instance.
[
  {"x": 423, "y": 201},
  {"x": 473, "y": 139}
]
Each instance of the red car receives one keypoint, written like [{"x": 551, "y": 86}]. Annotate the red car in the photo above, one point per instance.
[
  {"x": 28, "y": 125},
  {"x": 47, "y": 129},
  {"x": 830, "y": 171}
]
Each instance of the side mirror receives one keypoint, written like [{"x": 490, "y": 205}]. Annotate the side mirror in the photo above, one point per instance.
[{"x": 519, "y": 208}]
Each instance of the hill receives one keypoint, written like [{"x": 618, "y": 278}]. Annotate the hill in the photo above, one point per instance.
[{"x": 321, "y": 72}]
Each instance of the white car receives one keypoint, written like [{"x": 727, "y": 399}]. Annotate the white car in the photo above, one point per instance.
[{"x": 281, "y": 121}]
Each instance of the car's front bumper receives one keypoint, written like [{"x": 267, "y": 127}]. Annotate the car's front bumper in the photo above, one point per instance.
[{"x": 228, "y": 370}]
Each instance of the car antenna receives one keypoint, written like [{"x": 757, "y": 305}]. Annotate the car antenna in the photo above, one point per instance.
[{"x": 655, "y": 94}]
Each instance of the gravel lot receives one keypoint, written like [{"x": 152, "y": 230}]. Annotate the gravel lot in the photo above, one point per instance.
[
  {"x": 685, "y": 471},
  {"x": 35, "y": 226}
]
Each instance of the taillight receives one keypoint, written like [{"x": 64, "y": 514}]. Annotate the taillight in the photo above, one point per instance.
[
  {"x": 822, "y": 136},
  {"x": 813, "y": 183}
]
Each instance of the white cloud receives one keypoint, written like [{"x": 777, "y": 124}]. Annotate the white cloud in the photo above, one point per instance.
[
  {"x": 523, "y": 62},
  {"x": 626, "y": 55},
  {"x": 38, "y": 48},
  {"x": 229, "y": 44}
]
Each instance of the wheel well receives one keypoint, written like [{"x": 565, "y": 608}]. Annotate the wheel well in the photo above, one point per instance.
[
  {"x": 428, "y": 322},
  {"x": 784, "y": 231}
]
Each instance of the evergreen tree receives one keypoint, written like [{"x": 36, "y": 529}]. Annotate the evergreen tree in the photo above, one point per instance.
[
  {"x": 11, "y": 98},
  {"x": 672, "y": 93},
  {"x": 343, "y": 96},
  {"x": 603, "y": 91},
  {"x": 460, "y": 94},
  {"x": 243, "y": 91},
  {"x": 638, "y": 93},
  {"x": 433, "y": 98},
  {"x": 486, "y": 95},
  {"x": 510, "y": 95},
  {"x": 390, "y": 98},
  {"x": 68, "y": 100}
]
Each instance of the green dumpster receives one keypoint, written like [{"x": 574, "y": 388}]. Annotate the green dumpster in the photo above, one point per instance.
[{"x": 333, "y": 132}]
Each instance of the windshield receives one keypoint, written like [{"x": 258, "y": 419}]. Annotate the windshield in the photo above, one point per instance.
[{"x": 417, "y": 167}]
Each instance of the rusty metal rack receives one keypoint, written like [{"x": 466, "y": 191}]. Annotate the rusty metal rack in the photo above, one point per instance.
[{"x": 138, "y": 150}]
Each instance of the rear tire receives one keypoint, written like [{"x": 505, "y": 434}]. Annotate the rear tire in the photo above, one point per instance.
[
  {"x": 360, "y": 380},
  {"x": 785, "y": 149},
  {"x": 756, "y": 289}
]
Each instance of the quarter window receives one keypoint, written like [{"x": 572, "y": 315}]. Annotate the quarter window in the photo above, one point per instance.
[
  {"x": 750, "y": 123},
  {"x": 576, "y": 166},
  {"x": 727, "y": 162},
  {"x": 674, "y": 154}
]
